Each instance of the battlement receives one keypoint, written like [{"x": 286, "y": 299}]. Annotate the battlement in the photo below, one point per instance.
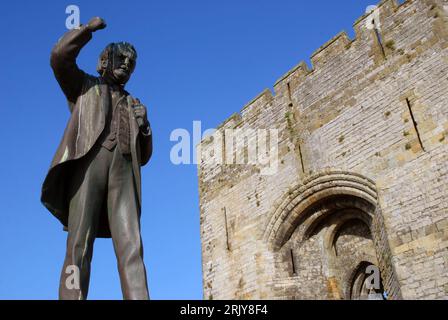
[{"x": 340, "y": 51}]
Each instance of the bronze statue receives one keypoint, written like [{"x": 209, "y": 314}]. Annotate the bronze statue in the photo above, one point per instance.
[{"x": 93, "y": 186}]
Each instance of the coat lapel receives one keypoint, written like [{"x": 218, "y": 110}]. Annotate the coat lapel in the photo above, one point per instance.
[{"x": 105, "y": 98}]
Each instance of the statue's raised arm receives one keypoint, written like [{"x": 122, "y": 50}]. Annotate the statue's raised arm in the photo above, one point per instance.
[{"x": 64, "y": 54}]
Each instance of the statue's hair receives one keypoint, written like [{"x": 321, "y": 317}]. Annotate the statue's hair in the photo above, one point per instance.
[{"x": 107, "y": 53}]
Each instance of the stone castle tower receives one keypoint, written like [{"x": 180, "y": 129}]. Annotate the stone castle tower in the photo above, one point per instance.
[{"x": 357, "y": 171}]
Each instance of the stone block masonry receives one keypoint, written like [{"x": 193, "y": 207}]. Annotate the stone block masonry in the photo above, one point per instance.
[{"x": 362, "y": 176}]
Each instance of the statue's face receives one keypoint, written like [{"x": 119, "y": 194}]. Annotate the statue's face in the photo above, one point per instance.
[{"x": 122, "y": 64}]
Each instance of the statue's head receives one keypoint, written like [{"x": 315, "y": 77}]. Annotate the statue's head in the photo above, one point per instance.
[{"x": 117, "y": 62}]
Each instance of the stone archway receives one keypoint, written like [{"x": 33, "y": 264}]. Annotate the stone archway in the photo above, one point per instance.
[{"x": 325, "y": 216}]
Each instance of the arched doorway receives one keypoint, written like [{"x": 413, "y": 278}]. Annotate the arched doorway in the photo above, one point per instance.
[{"x": 332, "y": 228}]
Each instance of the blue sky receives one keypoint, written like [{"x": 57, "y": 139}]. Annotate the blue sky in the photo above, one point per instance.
[{"x": 197, "y": 60}]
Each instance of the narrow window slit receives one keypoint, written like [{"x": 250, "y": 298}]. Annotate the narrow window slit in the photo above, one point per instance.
[
  {"x": 227, "y": 230},
  {"x": 223, "y": 148},
  {"x": 289, "y": 94},
  {"x": 414, "y": 122},
  {"x": 301, "y": 158},
  {"x": 292, "y": 262},
  {"x": 379, "y": 39}
]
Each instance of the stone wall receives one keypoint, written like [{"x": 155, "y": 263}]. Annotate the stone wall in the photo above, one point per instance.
[{"x": 362, "y": 136}]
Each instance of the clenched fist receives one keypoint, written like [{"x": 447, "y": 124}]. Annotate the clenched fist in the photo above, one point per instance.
[{"x": 96, "y": 23}]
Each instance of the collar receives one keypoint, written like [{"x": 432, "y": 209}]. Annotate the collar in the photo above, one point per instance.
[{"x": 113, "y": 86}]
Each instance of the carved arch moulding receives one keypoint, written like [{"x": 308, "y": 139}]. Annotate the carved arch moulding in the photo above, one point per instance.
[{"x": 327, "y": 197}]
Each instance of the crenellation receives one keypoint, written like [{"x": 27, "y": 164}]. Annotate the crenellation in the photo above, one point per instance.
[
  {"x": 253, "y": 107},
  {"x": 297, "y": 74},
  {"x": 345, "y": 51},
  {"x": 333, "y": 49}
]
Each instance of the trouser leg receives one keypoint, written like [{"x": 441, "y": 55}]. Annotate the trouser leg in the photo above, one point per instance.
[
  {"x": 88, "y": 192},
  {"x": 124, "y": 222}
]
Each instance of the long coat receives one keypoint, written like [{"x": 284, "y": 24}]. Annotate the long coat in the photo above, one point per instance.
[{"x": 89, "y": 102}]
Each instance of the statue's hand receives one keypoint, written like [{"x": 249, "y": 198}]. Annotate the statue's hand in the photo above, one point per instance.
[
  {"x": 140, "y": 115},
  {"x": 96, "y": 23}
]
